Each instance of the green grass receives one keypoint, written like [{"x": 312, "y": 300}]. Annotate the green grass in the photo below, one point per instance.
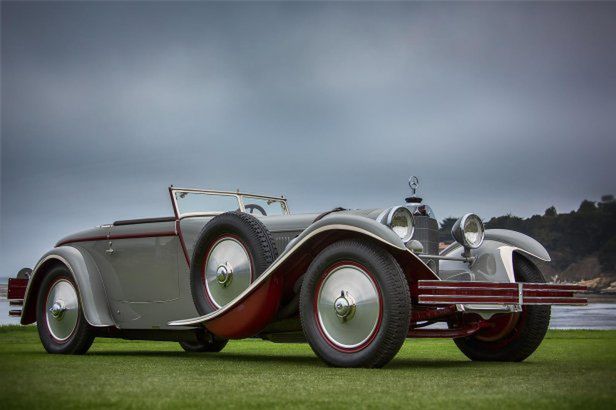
[{"x": 572, "y": 369}]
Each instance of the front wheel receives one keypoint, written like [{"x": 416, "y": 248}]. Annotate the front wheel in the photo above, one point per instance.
[
  {"x": 60, "y": 321},
  {"x": 355, "y": 305},
  {"x": 511, "y": 337}
]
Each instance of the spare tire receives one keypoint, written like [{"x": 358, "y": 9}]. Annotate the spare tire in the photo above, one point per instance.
[{"x": 233, "y": 249}]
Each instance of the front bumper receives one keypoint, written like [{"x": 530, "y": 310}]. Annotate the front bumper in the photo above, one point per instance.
[{"x": 436, "y": 292}]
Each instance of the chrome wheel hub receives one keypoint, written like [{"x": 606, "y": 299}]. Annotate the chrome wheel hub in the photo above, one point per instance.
[
  {"x": 57, "y": 309},
  {"x": 345, "y": 306},
  {"x": 62, "y": 309},
  {"x": 224, "y": 275},
  {"x": 348, "y": 306},
  {"x": 227, "y": 271}
]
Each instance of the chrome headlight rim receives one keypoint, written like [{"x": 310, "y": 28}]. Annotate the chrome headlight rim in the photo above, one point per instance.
[
  {"x": 389, "y": 221},
  {"x": 458, "y": 231}
]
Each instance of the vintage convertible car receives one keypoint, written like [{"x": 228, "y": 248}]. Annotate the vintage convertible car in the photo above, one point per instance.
[{"x": 354, "y": 284}]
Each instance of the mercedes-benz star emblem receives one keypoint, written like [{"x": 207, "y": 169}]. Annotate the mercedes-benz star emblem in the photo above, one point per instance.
[{"x": 414, "y": 183}]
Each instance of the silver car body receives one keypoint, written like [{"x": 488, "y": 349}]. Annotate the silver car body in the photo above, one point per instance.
[{"x": 135, "y": 274}]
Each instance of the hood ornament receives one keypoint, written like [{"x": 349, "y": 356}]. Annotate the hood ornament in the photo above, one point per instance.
[{"x": 414, "y": 184}]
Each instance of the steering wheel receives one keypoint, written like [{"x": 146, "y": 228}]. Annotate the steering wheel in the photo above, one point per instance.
[{"x": 251, "y": 207}]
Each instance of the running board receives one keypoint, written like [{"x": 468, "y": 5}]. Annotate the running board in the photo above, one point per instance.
[{"x": 436, "y": 292}]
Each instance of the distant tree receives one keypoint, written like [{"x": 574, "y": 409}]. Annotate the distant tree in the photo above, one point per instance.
[
  {"x": 448, "y": 222},
  {"x": 587, "y": 207},
  {"x": 551, "y": 212},
  {"x": 607, "y": 255},
  {"x": 568, "y": 237},
  {"x": 445, "y": 230},
  {"x": 607, "y": 198},
  {"x": 508, "y": 222}
]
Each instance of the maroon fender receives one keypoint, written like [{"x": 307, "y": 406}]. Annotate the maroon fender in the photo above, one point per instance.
[{"x": 252, "y": 314}]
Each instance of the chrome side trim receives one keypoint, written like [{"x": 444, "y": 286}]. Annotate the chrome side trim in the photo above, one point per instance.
[
  {"x": 463, "y": 297},
  {"x": 464, "y": 288},
  {"x": 520, "y": 293},
  {"x": 476, "y": 303},
  {"x": 445, "y": 258}
]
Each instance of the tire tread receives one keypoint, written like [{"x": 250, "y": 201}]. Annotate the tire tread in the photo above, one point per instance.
[
  {"x": 267, "y": 249},
  {"x": 397, "y": 296},
  {"x": 83, "y": 337},
  {"x": 534, "y": 330}
]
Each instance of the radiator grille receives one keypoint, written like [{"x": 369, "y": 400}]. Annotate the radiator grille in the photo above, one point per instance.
[{"x": 426, "y": 232}]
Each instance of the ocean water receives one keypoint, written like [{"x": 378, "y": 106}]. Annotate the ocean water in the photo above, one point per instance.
[
  {"x": 5, "y": 319},
  {"x": 593, "y": 316}
]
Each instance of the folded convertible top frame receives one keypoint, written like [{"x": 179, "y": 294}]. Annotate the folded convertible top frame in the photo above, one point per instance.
[{"x": 435, "y": 292}]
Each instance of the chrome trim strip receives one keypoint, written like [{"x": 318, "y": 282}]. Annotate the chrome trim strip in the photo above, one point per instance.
[
  {"x": 528, "y": 286},
  {"x": 193, "y": 214},
  {"x": 576, "y": 303},
  {"x": 512, "y": 290},
  {"x": 447, "y": 302},
  {"x": 569, "y": 287},
  {"x": 467, "y": 288},
  {"x": 462, "y": 297},
  {"x": 456, "y": 297},
  {"x": 445, "y": 258},
  {"x": 520, "y": 293},
  {"x": 265, "y": 275},
  {"x": 559, "y": 303}
]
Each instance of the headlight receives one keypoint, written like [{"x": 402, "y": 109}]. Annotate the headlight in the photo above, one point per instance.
[
  {"x": 468, "y": 231},
  {"x": 400, "y": 220}
]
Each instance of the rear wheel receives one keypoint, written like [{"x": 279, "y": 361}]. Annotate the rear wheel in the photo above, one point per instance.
[
  {"x": 511, "y": 337},
  {"x": 60, "y": 321},
  {"x": 355, "y": 305}
]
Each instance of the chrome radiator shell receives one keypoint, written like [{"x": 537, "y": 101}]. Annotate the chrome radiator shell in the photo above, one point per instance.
[{"x": 426, "y": 232}]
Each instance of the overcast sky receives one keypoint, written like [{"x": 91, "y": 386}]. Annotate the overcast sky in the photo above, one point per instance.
[{"x": 498, "y": 108}]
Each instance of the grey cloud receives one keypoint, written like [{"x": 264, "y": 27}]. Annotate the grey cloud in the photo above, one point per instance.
[{"x": 498, "y": 107}]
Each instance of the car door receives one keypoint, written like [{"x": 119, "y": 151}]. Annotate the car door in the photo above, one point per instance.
[{"x": 143, "y": 262}]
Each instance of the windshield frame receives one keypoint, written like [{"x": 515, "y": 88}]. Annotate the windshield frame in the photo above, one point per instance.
[{"x": 238, "y": 195}]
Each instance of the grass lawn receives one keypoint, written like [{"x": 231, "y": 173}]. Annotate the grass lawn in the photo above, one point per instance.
[{"x": 572, "y": 369}]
